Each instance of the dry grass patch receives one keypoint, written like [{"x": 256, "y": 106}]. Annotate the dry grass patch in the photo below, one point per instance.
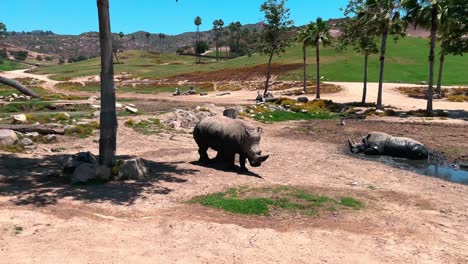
[{"x": 452, "y": 94}]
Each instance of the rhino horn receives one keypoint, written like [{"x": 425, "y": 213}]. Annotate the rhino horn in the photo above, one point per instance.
[{"x": 263, "y": 158}]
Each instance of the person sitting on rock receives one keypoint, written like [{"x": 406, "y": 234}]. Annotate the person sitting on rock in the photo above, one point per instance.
[
  {"x": 177, "y": 92},
  {"x": 259, "y": 98},
  {"x": 191, "y": 90}
]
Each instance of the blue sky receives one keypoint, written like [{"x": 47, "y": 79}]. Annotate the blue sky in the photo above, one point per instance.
[{"x": 167, "y": 16}]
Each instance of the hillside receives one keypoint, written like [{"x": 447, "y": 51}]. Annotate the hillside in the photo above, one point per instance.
[
  {"x": 406, "y": 62},
  {"x": 88, "y": 43}
]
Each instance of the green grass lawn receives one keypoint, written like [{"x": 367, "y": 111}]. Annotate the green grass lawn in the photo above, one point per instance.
[
  {"x": 261, "y": 201},
  {"x": 406, "y": 61},
  {"x": 8, "y": 65}
]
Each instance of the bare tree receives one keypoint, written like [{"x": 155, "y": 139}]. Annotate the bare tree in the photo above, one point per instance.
[{"x": 108, "y": 126}]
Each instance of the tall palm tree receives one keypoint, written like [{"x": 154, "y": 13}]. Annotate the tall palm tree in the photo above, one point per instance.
[
  {"x": 429, "y": 14},
  {"x": 217, "y": 28},
  {"x": 238, "y": 37},
  {"x": 321, "y": 35},
  {"x": 385, "y": 18},
  {"x": 198, "y": 22},
  {"x": 453, "y": 32},
  {"x": 162, "y": 36},
  {"x": 148, "y": 35},
  {"x": 361, "y": 36},
  {"x": 306, "y": 37}
]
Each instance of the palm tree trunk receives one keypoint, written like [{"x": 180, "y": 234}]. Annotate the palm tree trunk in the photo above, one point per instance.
[
  {"x": 317, "y": 55},
  {"x": 268, "y": 74},
  {"x": 383, "y": 47},
  {"x": 305, "y": 67},
  {"x": 196, "y": 44},
  {"x": 116, "y": 57},
  {"x": 217, "y": 46},
  {"x": 108, "y": 126},
  {"x": 430, "y": 90},
  {"x": 441, "y": 68},
  {"x": 364, "y": 89}
]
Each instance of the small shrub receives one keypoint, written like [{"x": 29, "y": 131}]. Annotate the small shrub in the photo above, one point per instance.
[
  {"x": 423, "y": 113},
  {"x": 457, "y": 98},
  {"x": 19, "y": 55},
  {"x": 18, "y": 230},
  {"x": 29, "y": 106},
  {"x": 16, "y": 148},
  {"x": 351, "y": 202},
  {"x": 82, "y": 130},
  {"x": 147, "y": 127}
]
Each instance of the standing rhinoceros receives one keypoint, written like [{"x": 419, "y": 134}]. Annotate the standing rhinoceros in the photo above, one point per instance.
[
  {"x": 229, "y": 137},
  {"x": 377, "y": 143}
]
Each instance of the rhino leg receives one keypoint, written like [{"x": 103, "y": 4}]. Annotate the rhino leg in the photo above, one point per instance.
[
  {"x": 242, "y": 160},
  {"x": 226, "y": 158},
  {"x": 371, "y": 151},
  {"x": 202, "y": 150}
]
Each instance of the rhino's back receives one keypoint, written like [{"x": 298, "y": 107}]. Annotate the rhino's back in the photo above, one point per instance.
[
  {"x": 220, "y": 128},
  {"x": 401, "y": 146}
]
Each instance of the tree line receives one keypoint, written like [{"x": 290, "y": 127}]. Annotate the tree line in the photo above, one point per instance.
[{"x": 367, "y": 22}]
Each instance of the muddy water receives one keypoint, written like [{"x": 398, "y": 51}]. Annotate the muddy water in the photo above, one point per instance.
[{"x": 435, "y": 166}]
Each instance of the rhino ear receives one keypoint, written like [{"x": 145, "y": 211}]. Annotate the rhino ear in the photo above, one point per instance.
[{"x": 259, "y": 130}]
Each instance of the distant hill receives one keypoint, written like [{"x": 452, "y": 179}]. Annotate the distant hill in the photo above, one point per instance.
[
  {"x": 87, "y": 44},
  {"x": 67, "y": 46}
]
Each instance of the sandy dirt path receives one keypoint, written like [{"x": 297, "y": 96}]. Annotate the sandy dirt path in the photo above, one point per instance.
[
  {"x": 48, "y": 84},
  {"x": 351, "y": 92},
  {"x": 408, "y": 218}
]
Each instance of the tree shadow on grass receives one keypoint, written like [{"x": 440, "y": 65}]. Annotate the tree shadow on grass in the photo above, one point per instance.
[{"x": 38, "y": 181}]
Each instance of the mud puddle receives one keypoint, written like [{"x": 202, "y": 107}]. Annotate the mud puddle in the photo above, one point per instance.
[{"x": 434, "y": 166}]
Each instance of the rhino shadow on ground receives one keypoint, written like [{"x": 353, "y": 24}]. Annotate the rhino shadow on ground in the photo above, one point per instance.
[
  {"x": 38, "y": 182},
  {"x": 223, "y": 167}
]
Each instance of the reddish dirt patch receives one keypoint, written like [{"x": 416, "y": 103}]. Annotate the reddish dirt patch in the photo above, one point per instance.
[{"x": 238, "y": 74}]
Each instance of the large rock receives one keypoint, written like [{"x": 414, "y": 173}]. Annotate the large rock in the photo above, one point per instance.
[
  {"x": 131, "y": 109},
  {"x": 18, "y": 119},
  {"x": 231, "y": 113},
  {"x": 84, "y": 173},
  {"x": 132, "y": 169},
  {"x": 32, "y": 135},
  {"x": 303, "y": 99},
  {"x": 7, "y": 137},
  {"x": 26, "y": 142},
  {"x": 77, "y": 160},
  {"x": 50, "y": 138}
]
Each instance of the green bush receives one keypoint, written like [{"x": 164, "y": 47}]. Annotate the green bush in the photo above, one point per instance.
[{"x": 20, "y": 55}]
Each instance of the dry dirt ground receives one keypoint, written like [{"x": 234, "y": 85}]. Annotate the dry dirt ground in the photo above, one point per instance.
[{"x": 408, "y": 218}]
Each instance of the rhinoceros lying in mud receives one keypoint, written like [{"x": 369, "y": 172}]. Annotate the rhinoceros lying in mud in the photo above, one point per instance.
[
  {"x": 377, "y": 143},
  {"x": 229, "y": 137}
]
